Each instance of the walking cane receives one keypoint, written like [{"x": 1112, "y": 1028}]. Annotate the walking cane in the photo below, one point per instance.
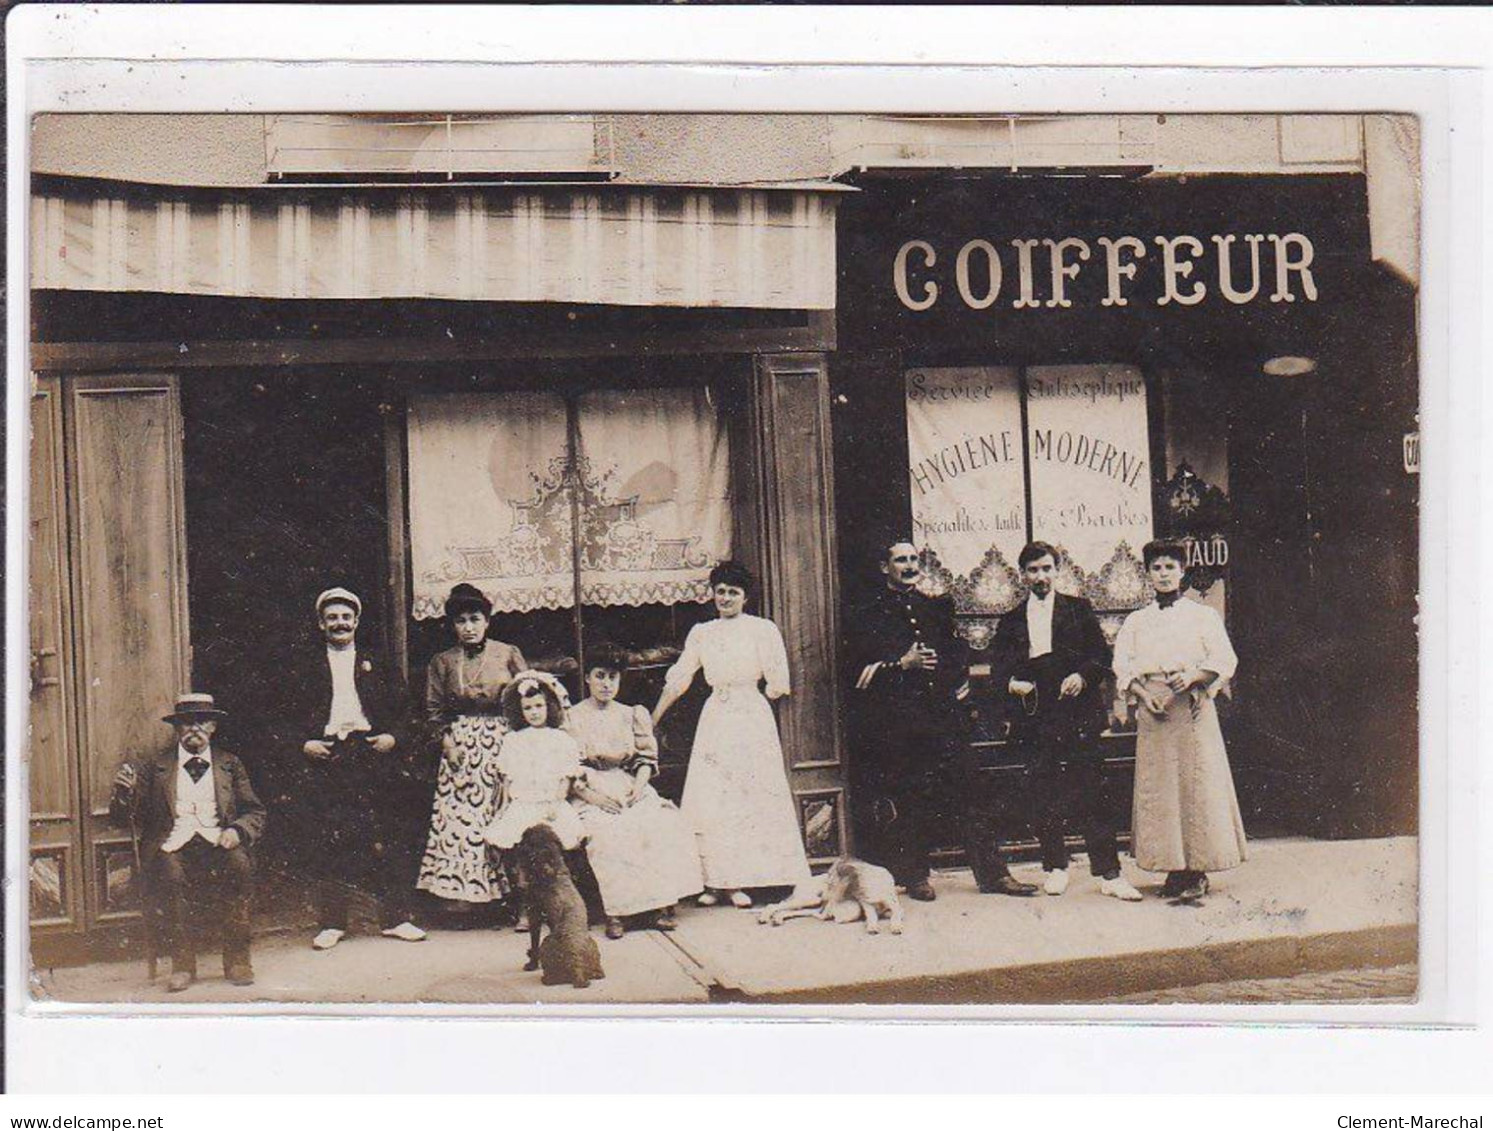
[{"x": 147, "y": 910}]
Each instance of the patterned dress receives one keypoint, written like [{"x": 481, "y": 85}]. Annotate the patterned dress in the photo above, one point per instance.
[
  {"x": 463, "y": 693},
  {"x": 1185, "y": 815},
  {"x": 736, "y": 795},
  {"x": 644, "y": 857}
]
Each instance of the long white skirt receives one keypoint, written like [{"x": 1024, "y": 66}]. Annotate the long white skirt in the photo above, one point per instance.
[
  {"x": 1186, "y": 815},
  {"x": 644, "y": 857},
  {"x": 736, "y": 796}
]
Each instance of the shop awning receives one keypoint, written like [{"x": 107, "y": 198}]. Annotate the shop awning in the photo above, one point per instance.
[{"x": 684, "y": 247}]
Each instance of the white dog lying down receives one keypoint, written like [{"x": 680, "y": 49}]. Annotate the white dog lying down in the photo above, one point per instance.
[{"x": 850, "y": 890}]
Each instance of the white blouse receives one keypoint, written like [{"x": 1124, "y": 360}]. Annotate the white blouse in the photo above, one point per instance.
[
  {"x": 1189, "y": 634},
  {"x": 734, "y": 652}
]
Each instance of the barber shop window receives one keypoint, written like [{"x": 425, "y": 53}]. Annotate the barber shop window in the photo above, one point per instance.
[
  {"x": 999, "y": 456},
  {"x": 583, "y": 514}
]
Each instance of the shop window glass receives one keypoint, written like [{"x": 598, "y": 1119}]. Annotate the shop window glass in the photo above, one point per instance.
[
  {"x": 999, "y": 456},
  {"x": 619, "y": 497},
  {"x": 527, "y": 495}
]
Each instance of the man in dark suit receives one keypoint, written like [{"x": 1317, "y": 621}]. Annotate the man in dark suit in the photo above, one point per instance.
[
  {"x": 357, "y": 801},
  {"x": 197, "y": 817},
  {"x": 911, "y": 773},
  {"x": 1049, "y": 661}
]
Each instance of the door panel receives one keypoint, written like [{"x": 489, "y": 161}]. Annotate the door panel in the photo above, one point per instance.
[
  {"x": 129, "y": 596},
  {"x": 797, "y": 491},
  {"x": 55, "y": 880}
]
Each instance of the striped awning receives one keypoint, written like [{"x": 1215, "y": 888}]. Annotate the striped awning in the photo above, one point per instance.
[{"x": 610, "y": 245}]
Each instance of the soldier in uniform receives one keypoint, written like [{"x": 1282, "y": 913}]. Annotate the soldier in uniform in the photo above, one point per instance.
[{"x": 911, "y": 773}]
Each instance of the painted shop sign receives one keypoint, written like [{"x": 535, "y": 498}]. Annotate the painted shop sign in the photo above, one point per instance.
[
  {"x": 1037, "y": 273},
  {"x": 1048, "y": 268}
]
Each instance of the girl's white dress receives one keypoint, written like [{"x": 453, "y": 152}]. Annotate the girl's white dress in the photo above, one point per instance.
[
  {"x": 538, "y": 765},
  {"x": 644, "y": 857},
  {"x": 736, "y": 794},
  {"x": 1185, "y": 815}
]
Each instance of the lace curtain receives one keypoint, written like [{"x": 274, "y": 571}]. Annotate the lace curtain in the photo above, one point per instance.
[{"x": 500, "y": 497}]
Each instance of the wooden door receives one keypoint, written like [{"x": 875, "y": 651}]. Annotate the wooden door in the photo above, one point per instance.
[
  {"x": 796, "y": 492},
  {"x": 55, "y": 866},
  {"x": 108, "y": 608},
  {"x": 129, "y": 571}
]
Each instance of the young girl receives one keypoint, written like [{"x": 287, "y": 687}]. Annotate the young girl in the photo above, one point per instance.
[
  {"x": 1171, "y": 659},
  {"x": 640, "y": 849},
  {"x": 539, "y": 765}
]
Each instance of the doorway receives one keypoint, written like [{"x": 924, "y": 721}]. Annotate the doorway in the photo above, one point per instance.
[{"x": 108, "y": 638}]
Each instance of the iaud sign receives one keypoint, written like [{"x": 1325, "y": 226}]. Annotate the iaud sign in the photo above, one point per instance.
[{"x": 1040, "y": 272}]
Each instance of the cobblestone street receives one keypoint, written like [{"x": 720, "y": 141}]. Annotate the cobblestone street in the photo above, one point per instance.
[{"x": 1389, "y": 983}]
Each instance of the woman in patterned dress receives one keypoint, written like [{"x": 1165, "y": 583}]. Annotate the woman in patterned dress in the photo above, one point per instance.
[
  {"x": 736, "y": 794},
  {"x": 463, "y": 709}
]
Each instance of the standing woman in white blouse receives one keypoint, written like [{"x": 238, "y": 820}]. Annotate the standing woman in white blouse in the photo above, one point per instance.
[
  {"x": 736, "y": 794},
  {"x": 1171, "y": 659}
]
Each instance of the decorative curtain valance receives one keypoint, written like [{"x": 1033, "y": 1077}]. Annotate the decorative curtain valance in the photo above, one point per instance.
[
  {"x": 719, "y": 248},
  {"x": 513, "y": 492}
]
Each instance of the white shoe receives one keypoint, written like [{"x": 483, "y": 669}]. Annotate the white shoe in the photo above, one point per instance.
[
  {"x": 406, "y": 931},
  {"x": 327, "y": 939},
  {"x": 1057, "y": 881},
  {"x": 1120, "y": 888},
  {"x": 741, "y": 899}
]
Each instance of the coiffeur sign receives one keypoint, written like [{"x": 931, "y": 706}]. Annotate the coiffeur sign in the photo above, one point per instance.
[
  {"x": 1023, "y": 270},
  {"x": 1181, "y": 264}
]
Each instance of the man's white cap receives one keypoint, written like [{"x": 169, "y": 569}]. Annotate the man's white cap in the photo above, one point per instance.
[{"x": 345, "y": 596}]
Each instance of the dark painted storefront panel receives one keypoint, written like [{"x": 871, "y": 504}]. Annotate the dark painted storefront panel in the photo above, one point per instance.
[{"x": 1321, "y": 514}]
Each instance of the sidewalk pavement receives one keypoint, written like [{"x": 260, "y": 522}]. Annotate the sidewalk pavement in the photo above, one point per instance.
[{"x": 1296, "y": 907}]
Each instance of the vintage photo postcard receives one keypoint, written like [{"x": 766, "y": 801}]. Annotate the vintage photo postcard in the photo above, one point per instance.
[{"x": 687, "y": 560}]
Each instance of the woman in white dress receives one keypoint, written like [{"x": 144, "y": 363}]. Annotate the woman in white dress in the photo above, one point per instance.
[
  {"x": 736, "y": 794},
  {"x": 640, "y": 849},
  {"x": 1171, "y": 659}
]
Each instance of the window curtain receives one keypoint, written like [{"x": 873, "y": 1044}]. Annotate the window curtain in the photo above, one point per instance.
[
  {"x": 968, "y": 484},
  {"x": 1086, "y": 459},
  {"x": 489, "y": 500},
  {"x": 491, "y": 484},
  {"x": 1089, "y": 441},
  {"x": 655, "y": 488}
]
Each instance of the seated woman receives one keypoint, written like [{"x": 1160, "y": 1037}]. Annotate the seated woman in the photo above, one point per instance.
[{"x": 639, "y": 847}]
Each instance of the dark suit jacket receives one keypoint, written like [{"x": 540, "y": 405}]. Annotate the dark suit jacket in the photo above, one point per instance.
[
  {"x": 1078, "y": 645},
  {"x": 389, "y": 783},
  {"x": 152, "y": 803},
  {"x": 308, "y": 678}
]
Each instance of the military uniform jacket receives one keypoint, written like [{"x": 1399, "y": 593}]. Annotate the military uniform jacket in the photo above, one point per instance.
[{"x": 886, "y": 702}]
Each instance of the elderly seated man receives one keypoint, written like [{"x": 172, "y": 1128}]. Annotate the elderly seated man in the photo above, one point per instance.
[{"x": 198, "y": 816}]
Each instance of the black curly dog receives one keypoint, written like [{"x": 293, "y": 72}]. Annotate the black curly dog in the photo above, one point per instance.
[{"x": 568, "y": 953}]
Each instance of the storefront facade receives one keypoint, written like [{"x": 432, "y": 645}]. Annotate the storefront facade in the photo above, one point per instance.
[
  {"x": 1094, "y": 361},
  {"x": 597, "y": 419},
  {"x": 578, "y": 397}
]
